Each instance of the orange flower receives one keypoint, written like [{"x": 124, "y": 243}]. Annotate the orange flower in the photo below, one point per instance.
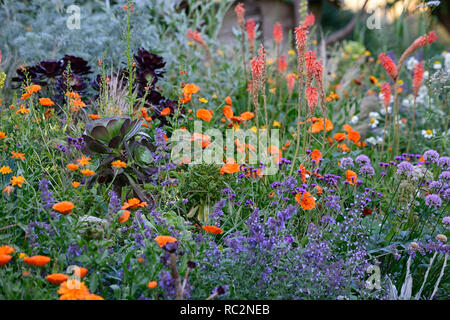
[
  {"x": 212, "y": 229},
  {"x": 204, "y": 114},
  {"x": 87, "y": 172},
  {"x": 354, "y": 136},
  {"x": 118, "y": 164},
  {"x": 228, "y": 101},
  {"x": 318, "y": 125},
  {"x": 84, "y": 161},
  {"x": 340, "y": 136},
  {"x": 94, "y": 116},
  {"x": 32, "y": 88},
  {"x": 2, "y": 135},
  {"x": 57, "y": 278},
  {"x": 46, "y": 102},
  {"x": 303, "y": 172},
  {"x": 125, "y": 216},
  {"x": 306, "y": 201},
  {"x": 80, "y": 272},
  {"x": 228, "y": 112},
  {"x": 315, "y": 155},
  {"x": 37, "y": 261},
  {"x": 134, "y": 203},
  {"x": 17, "y": 181},
  {"x": 152, "y": 284},
  {"x": 6, "y": 250},
  {"x": 163, "y": 240},
  {"x": 72, "y": 166},
  {"x": 26, "y": 95},
  {"x": 230, "y": 168},
  {"x": 351, "y": 177},
  {"x": 92, "y": 296},
  {"x": 64, "y": 207},
  {"x": 8, "y": 190},
  {"x": 319, "y": 190},
  {"x": 343, "y": 147},
  {"x": 247, "y": 115},
  {"x": 73, "y": 289},
  {"x": 4, "y": 259},
  {"x": 165, "y": 112},
  {"x": 17, "y": 155},
  {"x": 75, "y": 184}
]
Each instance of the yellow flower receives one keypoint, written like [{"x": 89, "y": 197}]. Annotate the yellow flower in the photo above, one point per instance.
[
  {"x": 203, "y": 100},
  {"x": 273, "y": 90},
  {"x": 23, "y": 110},
  {"x": 22, "y": 255},
  {"x": 367, "y": 53},
  {"x": 5, "y": 170},
  {"x": 276, "y": 124},
  {"x": 253, "y": 129},
  {"x": 17, "y": 181},
  {"x": 190, "y": 43},
  {"x": 400, "y": 82},
  {"x": 214, "y": 95},
  {"x": 220, "y": 52},
  {"x": 314, "y": 42},
  {"x": 291, "y": 52},
  {"x": 269, "y": 62}
]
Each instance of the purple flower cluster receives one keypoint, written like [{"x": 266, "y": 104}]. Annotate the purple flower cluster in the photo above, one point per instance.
[
  {"x": 46, "y": 196},
  {"x": 346, "y": 162},
  {"x": 431, "y": 155},
  {"x": 405, "y": 168},
  {"x": 433, "y": 201}
]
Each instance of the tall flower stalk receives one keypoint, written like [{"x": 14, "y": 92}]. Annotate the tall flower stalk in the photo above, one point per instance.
[{"x": 417, "y": 82}]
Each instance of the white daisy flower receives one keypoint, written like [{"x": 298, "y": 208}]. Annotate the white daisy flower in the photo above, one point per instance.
[
  {"x": 426, "y": 74},
  {"x": 428, "y": 133},
  {"x": 375, "y": 115},
  {"x": 437, "y": 65},
  {"x": 373, "y": 122},
  {"x": 354, "y": 120},
  {"x": 411, "y": 63}
]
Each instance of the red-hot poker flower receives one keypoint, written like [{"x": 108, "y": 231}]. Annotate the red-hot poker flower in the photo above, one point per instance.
[
  {"x": 251, "y": 31},
  {"x": 300, "y": 37},
  {"x": 309, "y": 20},
  {"x": 240, "y": 12},
  {"x": 418, "y": 43},
  {"x": 386, "y": 92},
  {"x": 290, "y": 79},
  {"x": 310, "y": 62},
  {"x": 282, "y": 64},
  {"x": 311, "y": 98},
  {"x": 418, "y": 77},
  {"x": 278, "y": 33},
  {"x": 388, "y": 65},
  {"x": 196, "y": 36}
]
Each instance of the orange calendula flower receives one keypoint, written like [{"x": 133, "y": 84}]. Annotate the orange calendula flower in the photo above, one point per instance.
[
  {"x": 17, "y": 155},
  {"x": 354, "y": 136},
  {"x": 64, "y": 207},
  {"x": 92, "y": 296},
  {"x": 125, "y": 216},
  {"x": 163, "y": 240},
  {"x": 340, "y": 136},
  {"x": 318, "y": 125},
  {"x": 80, "y": 272},
  {"x": 73, "y": 289},
  {"x": 204, "y": 114},
  {"x": 303, "y": 172},
  {"x": 75, "y": 184},
  {"x": 152, "y": 284},
  {"x": 84, "y": 161},
  {"x": 57, "y": 278},
  {"x": 7, "y": 250},
  {"x": 212, "y": 229},
  {"x": 306, "y": 200},
  {"x": 32, "y": 88},
  {"x": 165, "y": 112},
  {"x": 4, "y": 259},
  {"x": 72, "y": 167},
  {"x": 319, "y": 190},
  {"x": 247, "y": 115},
  {"x": 94, "y": 116},
  {"x": 46, "y": 102},
  {"x": 17, "y": 181},
  {"x": 87, "y": 172},
  {"x": 5, "y": 170},
  {"x": 343, "y": 147},
  {"x": 134, "y": 203},
  {"x": 26, "y": 95},
  {"x": 23, "y": 110},
  {"x": 37, "y": 261},
  {"x": 230, "y": 168},
  {"x": 2, "y": 135},
  {"x": 228, "y": 101},
  {"x": 351, "y": 177},
  {"x": 118, "y": 164},
  {"x": 228, "y": 112},
  {"x": 316, "y": 155}
]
